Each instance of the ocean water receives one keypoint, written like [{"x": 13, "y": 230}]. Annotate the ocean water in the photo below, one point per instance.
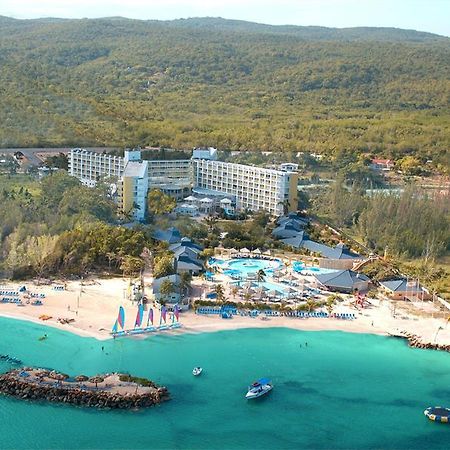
[{"x": 342, "y": 390}]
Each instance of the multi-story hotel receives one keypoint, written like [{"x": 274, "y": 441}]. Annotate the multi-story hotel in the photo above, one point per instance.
[
  {"x": 248, "y": 187},
  {"x": 129, "y": 174},
  {"x": 90, "y": 167},
  {"x": 252, "y": 188}
]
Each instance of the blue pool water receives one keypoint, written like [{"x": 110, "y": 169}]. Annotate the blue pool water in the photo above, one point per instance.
[
  {"x": 252, "y": 265},
  {"x": 275, "y": 287},
  {"x": 342, "y": 391}
]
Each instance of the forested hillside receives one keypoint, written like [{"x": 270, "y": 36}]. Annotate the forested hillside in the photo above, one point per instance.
[{"x": 230, "y": 84}]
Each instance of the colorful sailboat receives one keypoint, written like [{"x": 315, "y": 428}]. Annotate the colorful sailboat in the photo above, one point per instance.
[
  {"x": 139, "y": 316},
  {"x": 163, "y": 315},
  {"x": 150, "y": 317},
  {"x": 120, "y": 321},
  {"x": 175, "y": 314}
]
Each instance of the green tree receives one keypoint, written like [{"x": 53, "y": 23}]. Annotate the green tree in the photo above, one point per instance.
[
  {"x": 131, "y": 265},
  {"x": 163, "y": 265},
  {"x": 220, "y": 293},
  {"x": 166, "y": 289},
  {"x": 160, "y": 203}
]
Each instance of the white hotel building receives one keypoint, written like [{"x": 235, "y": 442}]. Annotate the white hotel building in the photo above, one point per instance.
[{"x": 250, "y": 188}]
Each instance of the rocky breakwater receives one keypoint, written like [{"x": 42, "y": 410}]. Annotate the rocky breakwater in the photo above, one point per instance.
[
  {"x": 417, "y": 342},
  {"x": 117, "y": 391}
]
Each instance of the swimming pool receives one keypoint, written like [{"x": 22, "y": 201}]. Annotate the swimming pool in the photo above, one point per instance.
[{"x": 252, "y": 265}]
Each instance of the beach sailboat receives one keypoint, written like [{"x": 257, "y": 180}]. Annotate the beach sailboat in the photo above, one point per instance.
[
  {"x": 163, "y": 315},
  {"x": 150, "y": 317},
  {"x": 176, "y": 314},
  {"x": 139, "y": 316},
  {"x": 120, "y": 321}
]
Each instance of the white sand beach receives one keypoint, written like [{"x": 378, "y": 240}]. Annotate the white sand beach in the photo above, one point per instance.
[{"x": 94, "y": 307}]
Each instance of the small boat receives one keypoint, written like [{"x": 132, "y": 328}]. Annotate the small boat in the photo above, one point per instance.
[
  {"x": 259, "y": 388},
  {"x": 196, "y": 371}
]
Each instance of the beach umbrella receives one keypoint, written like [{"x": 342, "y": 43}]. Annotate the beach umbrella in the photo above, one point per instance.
[
  {"x": 81, "y": 378},
  {"x": 97, "y": 379},
  {"x": 58, "y": 376}
]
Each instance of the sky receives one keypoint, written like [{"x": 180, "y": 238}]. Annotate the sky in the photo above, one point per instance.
[{"x": 423, "y": 15}]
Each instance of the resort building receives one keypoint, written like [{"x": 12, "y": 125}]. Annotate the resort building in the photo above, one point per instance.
[
  {"x": 252, "y": 188},
  {"x": 129, "y": 174},
  {"x": 345, "y": 281},
  {"x": 404, "y": 289},
  {"x": 173, "y": 177},
  {"x": 90, "y": 167},
  {"x": 217, "y": 184}
]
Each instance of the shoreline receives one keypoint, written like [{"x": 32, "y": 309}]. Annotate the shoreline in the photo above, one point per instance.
[
  {"x": 211, "y": 325},
  {"x": 90, "y": 310}
]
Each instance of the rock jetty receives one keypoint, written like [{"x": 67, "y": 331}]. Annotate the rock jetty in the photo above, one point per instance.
[
  {"x": 416, "y": 341},
  {"x": 116, "y": 391}
]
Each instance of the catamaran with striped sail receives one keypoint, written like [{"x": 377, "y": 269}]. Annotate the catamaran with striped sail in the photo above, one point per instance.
[{"x": 119, "y": 330}]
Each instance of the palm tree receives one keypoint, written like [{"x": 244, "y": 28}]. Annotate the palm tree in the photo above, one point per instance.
[
  {"x": 260, "y": 276},
  {"x": 220, "y": 294},
  {"x": 330, "y": 304},
  {"x": 234, "y": 291},
  {"x": 311, "y": 304},
  {"x": 247, "y": 296},
  {"x": 185, "y": 281},
  {"x": 166, "y": 288},
  {"x": 210, "y": 222}
]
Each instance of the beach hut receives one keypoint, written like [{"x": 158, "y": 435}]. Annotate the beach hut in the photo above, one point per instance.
[
  {"x": 257, "y": 251},
  {"x": 245, "y": 251}
]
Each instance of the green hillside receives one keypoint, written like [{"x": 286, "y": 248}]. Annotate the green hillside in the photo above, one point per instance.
[{"x": 229, "y": 84}]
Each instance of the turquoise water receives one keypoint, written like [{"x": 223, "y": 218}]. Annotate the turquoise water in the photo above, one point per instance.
[
  {"x": 246, "y": 265},
  {"x": 341, "y": 391}
]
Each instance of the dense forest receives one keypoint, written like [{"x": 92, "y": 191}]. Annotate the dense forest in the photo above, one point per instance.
[{"x": 230, "y": 84}]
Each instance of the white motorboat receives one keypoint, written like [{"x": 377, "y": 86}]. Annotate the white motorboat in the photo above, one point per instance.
[
  {"x": 196, "y": 371},
  {"x": 259, "y": 388}
]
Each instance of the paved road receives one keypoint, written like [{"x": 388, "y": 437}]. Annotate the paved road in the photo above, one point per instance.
[{"x": 33, "y": 159}]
